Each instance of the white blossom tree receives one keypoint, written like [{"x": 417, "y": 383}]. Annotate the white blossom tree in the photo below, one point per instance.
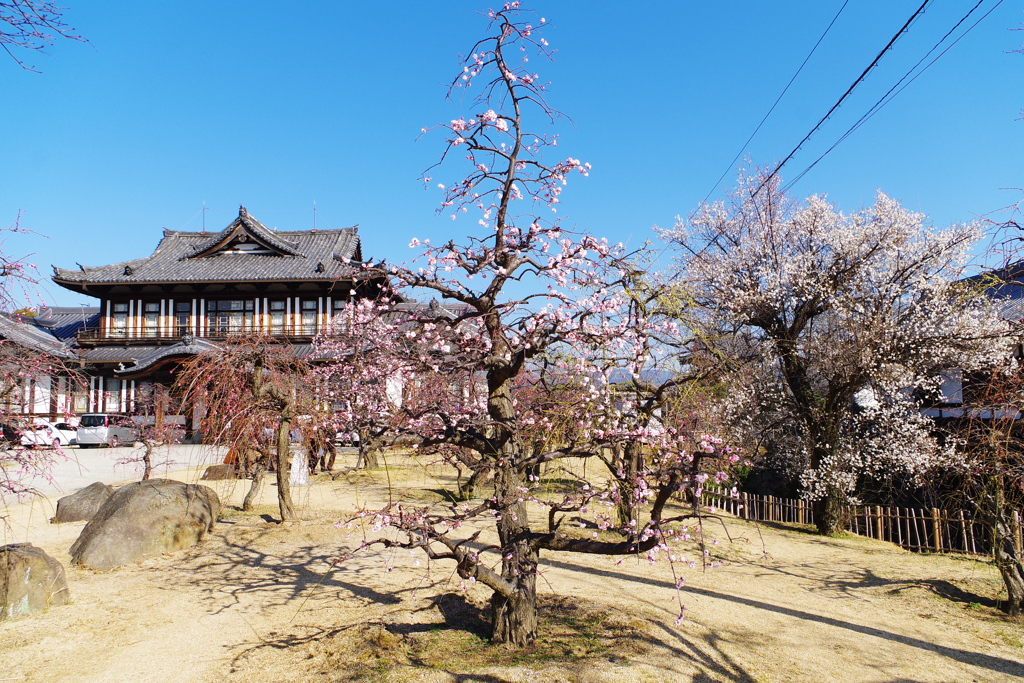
[{"x": 825, "y": 307}]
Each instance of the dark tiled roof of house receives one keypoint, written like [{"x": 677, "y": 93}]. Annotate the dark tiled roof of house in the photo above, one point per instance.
[
  {"x": 119, "y": 354},
  {"x": 24, "y": 332},
  {"x": 1005, "y": 289},
  {"x": 64, "y": 322},
  {"x": 245, "y": 251},
  {"x": 188, "y": 346}
]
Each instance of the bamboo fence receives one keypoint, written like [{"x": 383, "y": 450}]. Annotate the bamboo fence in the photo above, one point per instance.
[{"x": 934, "y": 530}]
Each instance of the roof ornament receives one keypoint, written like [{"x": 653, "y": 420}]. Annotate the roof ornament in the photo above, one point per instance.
[
  {"x": 320, "y": 267},
  {"x": 188, "y": 339},
  {"x": 128, "y": 270},
  {"x": 242, "y": 212}
]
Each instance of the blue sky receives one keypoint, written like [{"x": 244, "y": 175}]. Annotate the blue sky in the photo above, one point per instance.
[{"x": 277, "y": 105}]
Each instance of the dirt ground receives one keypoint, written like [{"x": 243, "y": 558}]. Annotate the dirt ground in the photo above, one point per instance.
[{"x": 260, "y": 601}]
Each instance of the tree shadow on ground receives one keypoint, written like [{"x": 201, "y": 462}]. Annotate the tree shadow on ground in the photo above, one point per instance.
[
  {"x": 457, "y": 612},
  {"x": 576, "y": 635},
  {"x": 240, "y": 565},
  {"x": 969, "y": 657},
  {"x": 848, "y": 578}
]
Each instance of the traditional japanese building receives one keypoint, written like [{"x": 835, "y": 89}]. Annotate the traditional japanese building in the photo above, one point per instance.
[{"x": 197, "y": 288}]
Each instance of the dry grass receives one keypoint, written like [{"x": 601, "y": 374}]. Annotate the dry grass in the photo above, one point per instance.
[{"x": 264, "y": 602}]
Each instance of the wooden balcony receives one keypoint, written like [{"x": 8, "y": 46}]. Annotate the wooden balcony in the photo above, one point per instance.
[{"x": 97, "y": 336}]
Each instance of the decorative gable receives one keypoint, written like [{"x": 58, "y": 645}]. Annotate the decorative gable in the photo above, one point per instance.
[{"x": 246, "y": 235}]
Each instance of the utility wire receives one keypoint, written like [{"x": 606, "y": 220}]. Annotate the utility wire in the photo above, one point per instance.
[
  {"x": 888, "y": 96},
  {"x": 779, "y": 99},
  {"x": 846, "y": 94}
]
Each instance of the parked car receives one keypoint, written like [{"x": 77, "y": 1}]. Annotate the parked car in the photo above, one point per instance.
[
  {"x": 9, "y": 436},
  {"x": 67, "y": 431},
  {"x": 42, "y": 435},
  {"x": 104, "y": 429}
]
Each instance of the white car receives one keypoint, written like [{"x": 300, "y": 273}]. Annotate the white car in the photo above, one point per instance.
[
  {"x": 42, "y": 436},
  {"x": 69, "y": 433}
]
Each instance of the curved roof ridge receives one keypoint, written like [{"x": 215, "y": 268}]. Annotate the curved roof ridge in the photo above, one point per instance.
[
  {"x": 249, "y": 226},
  {"x": 85, "y": 269}
]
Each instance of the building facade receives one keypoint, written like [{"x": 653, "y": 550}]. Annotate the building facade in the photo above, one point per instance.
[{"x": 198, "y": 288}]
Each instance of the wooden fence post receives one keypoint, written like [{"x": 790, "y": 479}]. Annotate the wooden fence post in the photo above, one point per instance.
[
  {"x": 879, "y": 523},
  {"x": 970, "y": 534},
  {"x": 1017, "y": 531},
  {"x": 963, "y": 530},
  {"x": 937, "y": 530}
]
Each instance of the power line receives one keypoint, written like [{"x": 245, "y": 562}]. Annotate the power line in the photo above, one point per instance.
[
  {"x": 779, "y": 99},
  {"x": 888, "y": 96},
  {"x": 846, "y": 94}
]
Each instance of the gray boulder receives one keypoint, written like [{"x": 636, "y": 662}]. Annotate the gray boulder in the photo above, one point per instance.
[
  {"x": 220, "y": 472},
  {"x": 146, "y": 518},
  {"x": 30, "y": 581},
  {"x": 82, "y": 505}
]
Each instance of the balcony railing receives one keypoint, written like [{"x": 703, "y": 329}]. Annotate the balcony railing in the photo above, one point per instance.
[{"x": 99, "y": 335}]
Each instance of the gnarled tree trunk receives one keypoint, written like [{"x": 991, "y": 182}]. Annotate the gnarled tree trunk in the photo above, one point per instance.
[
  {"x": 514, "y": 616},
  {"x": 1009, "y": 553},
  {"x": 258, "y": 472},
  {"x": 284, "y": 470}
]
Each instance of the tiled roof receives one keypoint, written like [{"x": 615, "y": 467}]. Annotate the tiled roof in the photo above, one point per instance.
[
  {"x": 1005, "y": 288},
  {"x": 189, "y": 346},
  {"x": 23, "y": 332},
  {"x": 118, "y": 354},
  {"x": 201, "y": 257},
  {"x": 64, "y": 322},
  {"x": 146, "y": 356}
]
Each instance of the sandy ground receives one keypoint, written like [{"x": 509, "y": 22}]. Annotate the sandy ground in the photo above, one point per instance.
[{"x": 259, "y": 601}]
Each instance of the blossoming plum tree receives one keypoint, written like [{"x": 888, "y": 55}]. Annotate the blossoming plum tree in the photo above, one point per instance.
[
  {"x": 827, "y": 308},
  {"x": 525, "y": 299},
  {"x": 21, "y": 363},
  {"x": 252, "y": 390}
]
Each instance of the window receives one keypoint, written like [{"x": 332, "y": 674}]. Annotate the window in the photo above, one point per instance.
[
  {"x": 112, "y": 394},
  {"x": 339, "y": 315},
  {"x": 182, "y": 318},
  {"x": 230, "y": 317},
  {"x": 80, "y": 399},
  {"x": 309, "y": 316},
  {"x": 277, "y": 310},
  {"x": 119, "y": 320},
  {"x": 151, "y": 319}
]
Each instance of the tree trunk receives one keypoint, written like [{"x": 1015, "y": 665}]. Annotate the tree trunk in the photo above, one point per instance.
[
  {"x": 514, "y": 616},
  {"x": 258, "y": 472},
  {"x": 147, "y": 461},
  {"x": 331, "y": 455},
  {"x": 368, "y": 455},
  {"x": 629, "y": 462},
  {"x": 829, "y": 513},
  {"x": 284, "y": 471},
  {"x": 467, "y": 491},
  {"x": 1009, "y": 553}
]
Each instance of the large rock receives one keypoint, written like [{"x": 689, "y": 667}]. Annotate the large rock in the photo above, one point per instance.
[
  {"x": 30, "y": 581},
  {"x": 82, "y": 505},
  {"x": 146, "y": 518},
  {"x": 220, "y": 472}
]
